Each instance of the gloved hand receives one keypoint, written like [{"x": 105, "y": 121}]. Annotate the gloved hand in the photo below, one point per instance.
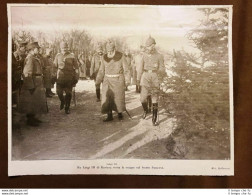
[{"x": 32, "y": 91}]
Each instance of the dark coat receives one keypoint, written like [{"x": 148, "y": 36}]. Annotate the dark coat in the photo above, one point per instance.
[
  {"x": 32, "y": 103},
  {"x": 67, "y": 68}
]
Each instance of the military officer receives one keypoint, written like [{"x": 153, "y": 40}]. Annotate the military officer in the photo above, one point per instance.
[
  {"x": 67, "y": 75},
  {"x": 32, "y": 95},
  {"x": 151, "y": 71},
  {"x": 95, "y": 65},
  {"x": 114, "y": 74},
  {"x": 48, "y": 67}
]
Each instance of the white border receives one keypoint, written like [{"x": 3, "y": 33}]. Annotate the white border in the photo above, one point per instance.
[{"x": 170, "y": 167}]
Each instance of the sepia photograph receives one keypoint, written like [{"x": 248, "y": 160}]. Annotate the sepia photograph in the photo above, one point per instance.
[{"x": 120, "y": 89}]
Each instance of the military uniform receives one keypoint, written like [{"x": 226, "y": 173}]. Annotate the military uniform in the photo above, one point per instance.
[
  {"x": 151, "y": 71},
  {"x": 113, "y": 73},
  {"x": 67, "y": 77},
  {"x": 95, "y": 65},
  {"x": 48, "y": 74},
  {"x": 32, "y": 95}
]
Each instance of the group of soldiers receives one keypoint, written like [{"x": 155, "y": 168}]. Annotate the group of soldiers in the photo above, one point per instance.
[{"x": 35, "y": 74}]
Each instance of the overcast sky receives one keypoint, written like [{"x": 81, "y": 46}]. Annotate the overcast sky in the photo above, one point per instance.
[{"x": 168, "y": 25}]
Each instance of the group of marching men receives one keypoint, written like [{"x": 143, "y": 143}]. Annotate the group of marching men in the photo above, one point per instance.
[{"x": 111, "y": 69}]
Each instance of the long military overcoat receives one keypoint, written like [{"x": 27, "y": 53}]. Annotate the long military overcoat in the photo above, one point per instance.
[
  {"x": 113, "y": 74},
  {"x": 32, "y": 103}
]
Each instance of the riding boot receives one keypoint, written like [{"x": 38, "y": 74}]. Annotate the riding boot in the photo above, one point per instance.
[
  {"x": 68, "y": 101},
  {"x": 109, "y": 117},
  {"x": 48, "y": 94},
  {"x": 149, "y": 102},
  {"x": 145, "y": 108},
  {"x": 98, "y": 95},
  {"x": 62, "y": 101},
  {"x": 154, "y": 114},
  {"x": 120, "y": 116}
]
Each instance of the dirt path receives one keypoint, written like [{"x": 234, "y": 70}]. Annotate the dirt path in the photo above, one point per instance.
[{"x": 83, "y": 135}]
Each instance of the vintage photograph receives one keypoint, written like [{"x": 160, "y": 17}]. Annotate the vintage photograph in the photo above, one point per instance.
[{"x": 137, "y": 83}]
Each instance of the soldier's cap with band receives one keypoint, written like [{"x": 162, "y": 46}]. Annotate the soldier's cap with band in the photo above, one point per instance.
[
  {"x": 64, "y": 45},
  {"x": 110, "y": 45},
  {"x": 150, "y": 41},
  {"x": 33, "y": 45}
]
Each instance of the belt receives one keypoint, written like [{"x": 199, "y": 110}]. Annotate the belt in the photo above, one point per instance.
[
  {"x": 112, "y": 75},
  {"x": 150, "y": 71}
]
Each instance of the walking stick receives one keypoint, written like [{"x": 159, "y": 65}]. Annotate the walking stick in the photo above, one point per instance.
[{"x": 128, "y": 114}]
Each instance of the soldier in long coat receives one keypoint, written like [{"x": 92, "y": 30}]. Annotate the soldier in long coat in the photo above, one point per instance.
[
  {"x": 32, "y": 95},
  {"x": 114, "y": 74},
  {"x": 48, "y": 72},
  {"x": 151, "y": 71},
  {"x": 67, "y": 75},
  {"x": 95, "y": 65}
]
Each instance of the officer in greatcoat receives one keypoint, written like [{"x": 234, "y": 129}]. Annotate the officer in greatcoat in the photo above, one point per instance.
[
  {"x": 67, "y": 75},
  {"x": 95, "y": 65},
  {"x": 32, "y": 95},
  {"x": 114, "y": 74},
  {"x": 151, "y": 71}
]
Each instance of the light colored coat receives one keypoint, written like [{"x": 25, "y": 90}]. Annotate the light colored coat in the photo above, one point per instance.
[{"x": 113, "y": 74}]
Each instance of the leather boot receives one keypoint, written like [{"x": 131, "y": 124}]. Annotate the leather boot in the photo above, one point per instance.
[
  {"x": 98, "y": 95},
  {"x": 109, "y": 117},
  {"x": 154, "y": 114},
  {"x": 120, "y": 116},
  {"x": 145, "y": 108},
  {"x": 67, "y": 102},
  {"x": 149, "y": 102},
  {"x": 62, "y": 100},
  {"x": 48, "y": 93}
]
